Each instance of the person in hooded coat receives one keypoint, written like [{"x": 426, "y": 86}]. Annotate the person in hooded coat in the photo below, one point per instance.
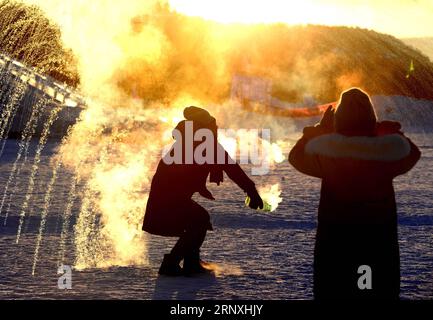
[
  {"x": 356, "y": 252},
  {"x": 170, "y": 210}
]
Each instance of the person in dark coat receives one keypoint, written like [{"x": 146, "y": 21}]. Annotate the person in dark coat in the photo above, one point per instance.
[
  {"x": 357, "y": 159},
  {"x": 170, "y": 210}
]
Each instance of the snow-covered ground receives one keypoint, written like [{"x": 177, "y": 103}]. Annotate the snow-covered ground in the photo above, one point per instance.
[{"x": 260, "y": 256}]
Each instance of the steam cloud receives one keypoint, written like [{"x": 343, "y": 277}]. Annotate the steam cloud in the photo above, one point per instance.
[{"x": 140, "y": 65}]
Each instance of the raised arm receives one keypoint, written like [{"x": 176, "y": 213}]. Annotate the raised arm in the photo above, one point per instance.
[
  {"x": 406, "y": 164},
  {"x": 238, "y": 176},
  {"x": 303, "y": 162},
  {"x": 309, "y": 163},
  {"x": 402, "y": 166}
]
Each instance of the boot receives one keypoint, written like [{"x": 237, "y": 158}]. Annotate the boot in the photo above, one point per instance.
[
  {"x": 193, "y": 265},
  {"x": 170, "y": 267}
]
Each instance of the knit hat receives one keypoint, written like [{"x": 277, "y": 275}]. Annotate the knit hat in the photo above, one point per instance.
[
  {"x": 355, "y": 114},
  {"x": 199, "y": 116}
]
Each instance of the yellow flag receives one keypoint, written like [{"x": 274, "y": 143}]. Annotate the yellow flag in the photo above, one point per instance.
[{"x": 411, "y": 69}]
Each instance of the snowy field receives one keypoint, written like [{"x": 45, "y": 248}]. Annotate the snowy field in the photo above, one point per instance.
[{"x": 261, "y": 256}]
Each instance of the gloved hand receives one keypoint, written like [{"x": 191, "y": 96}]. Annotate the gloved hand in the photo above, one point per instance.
[
  {"x": 325, "y": 126},
  {"x": 256, "y": 201},
  {"x": 327, "y": 122},
  {"x": 388, "y": 127}
]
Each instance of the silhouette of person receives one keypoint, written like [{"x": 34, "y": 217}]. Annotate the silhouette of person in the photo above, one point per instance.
[
  {"x": 357, "y": 159},
  {"x": 170, "y": 210}
]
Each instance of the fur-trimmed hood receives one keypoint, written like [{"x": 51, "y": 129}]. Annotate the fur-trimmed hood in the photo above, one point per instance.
[{"x": 383, "y": 148}]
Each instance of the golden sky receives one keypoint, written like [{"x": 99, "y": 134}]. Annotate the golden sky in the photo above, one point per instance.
[
  {"x": 99, "y": 31},
  {"x": 401, "y": 18}
]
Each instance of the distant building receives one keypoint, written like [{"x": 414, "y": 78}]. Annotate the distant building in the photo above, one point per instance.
[
  {"x": 251, "y": 89},
  {"x": 258, "y": 91}
]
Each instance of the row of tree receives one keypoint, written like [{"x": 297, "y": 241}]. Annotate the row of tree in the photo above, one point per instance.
[{"x": 28, "y": 36}]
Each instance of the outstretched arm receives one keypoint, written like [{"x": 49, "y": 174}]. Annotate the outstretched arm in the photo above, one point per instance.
[{"x": 235, "y": 173}]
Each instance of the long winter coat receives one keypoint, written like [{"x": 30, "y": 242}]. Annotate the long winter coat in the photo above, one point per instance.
[
  {"x": 170, "y": 209},
  {"x": 357, "y": 220}
]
